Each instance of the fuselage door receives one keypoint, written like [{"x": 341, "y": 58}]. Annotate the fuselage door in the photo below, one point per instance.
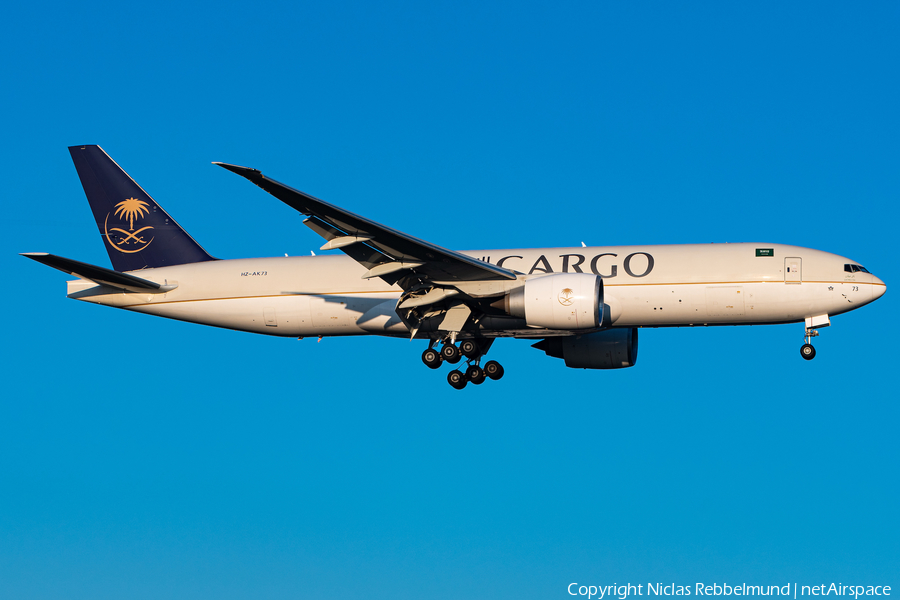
[{"x": 792, "y": 270}]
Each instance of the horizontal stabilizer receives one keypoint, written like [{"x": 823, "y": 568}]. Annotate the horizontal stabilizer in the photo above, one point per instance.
[{"x": 99, "y": 275}]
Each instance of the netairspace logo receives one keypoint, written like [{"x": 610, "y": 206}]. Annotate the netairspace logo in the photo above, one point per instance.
[{"x": 622, "y": 592}]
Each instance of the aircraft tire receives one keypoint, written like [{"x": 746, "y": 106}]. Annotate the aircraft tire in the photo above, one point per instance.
[
  {"x": 450, "y": 353},
  {"x": 432, "y": 358},
  {"x": 807, "y": 351},
  {"x": 475, "y": 374},
  {"x": 457, "y": 379},
  {"x": 469, "y": 348},
  {"x": 493, "y": 369}
]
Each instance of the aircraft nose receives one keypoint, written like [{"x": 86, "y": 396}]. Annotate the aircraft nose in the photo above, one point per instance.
[{"x": 878, "y": 288}]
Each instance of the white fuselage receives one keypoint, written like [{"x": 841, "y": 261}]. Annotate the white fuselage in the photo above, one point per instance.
[{"x": 644, "y": 286}]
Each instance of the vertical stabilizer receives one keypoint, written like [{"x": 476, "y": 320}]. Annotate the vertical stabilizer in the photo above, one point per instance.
[{"x": 136, "y": 231}]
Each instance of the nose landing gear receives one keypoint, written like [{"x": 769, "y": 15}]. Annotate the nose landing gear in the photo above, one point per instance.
[
  {"x": 812, "y": 325},
  {"x": 806, "y": 350}
]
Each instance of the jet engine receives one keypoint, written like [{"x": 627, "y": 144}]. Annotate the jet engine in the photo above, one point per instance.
[
  {"x": 610, "y": 349},
  {"x": 558, "y": 301}
]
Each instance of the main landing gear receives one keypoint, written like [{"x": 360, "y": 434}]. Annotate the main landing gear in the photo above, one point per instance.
[{"x": 472, "y": 350}]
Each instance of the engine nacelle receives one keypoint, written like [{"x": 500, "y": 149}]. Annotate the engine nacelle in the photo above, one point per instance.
[
  {"x": 610, "y": 349},
  {"x": 559, "y": 301}
]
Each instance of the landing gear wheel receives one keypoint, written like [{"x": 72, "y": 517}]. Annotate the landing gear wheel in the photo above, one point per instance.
[
  {"x": 432, "y": 358},
  {"x": 807, "y": 351},
  {"x": 457, "y": 379},
  {"x": 493, "y": 369},
  {"x": 469, "y": 348},
  {"x": 475, "y": 374},
  {"x": 450, "y": 353}
]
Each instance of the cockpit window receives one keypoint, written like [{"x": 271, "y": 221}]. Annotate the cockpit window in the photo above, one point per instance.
[{"x": 855, "y": 268}]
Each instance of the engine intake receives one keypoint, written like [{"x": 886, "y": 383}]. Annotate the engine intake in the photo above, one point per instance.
[
  {"x": 559, "y": 301},
  {"x": 610, "y": 349}
]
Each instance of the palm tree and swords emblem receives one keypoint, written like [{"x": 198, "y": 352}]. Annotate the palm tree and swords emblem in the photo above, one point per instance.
[
  {"x": 566, "y": 297},
  {"x": 129, "y": 209}
]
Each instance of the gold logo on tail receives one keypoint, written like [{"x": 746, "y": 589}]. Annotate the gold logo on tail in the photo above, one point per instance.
[{"x": 130, "y": 241}]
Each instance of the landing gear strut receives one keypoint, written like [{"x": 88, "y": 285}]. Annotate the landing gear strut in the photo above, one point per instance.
[{"x": 806, "y": 350}]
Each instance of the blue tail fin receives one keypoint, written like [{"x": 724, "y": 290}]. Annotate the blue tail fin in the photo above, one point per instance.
[{"x": 136, "y": 231}]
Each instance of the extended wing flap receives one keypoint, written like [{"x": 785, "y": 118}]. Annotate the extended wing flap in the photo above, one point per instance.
[
  {"x": 99, "y": 275},
  {"x": 383, "y": 244},
  {"x": 364, "y": 254}
]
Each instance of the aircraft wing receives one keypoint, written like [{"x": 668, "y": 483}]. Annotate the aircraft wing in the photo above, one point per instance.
[{"x": 385, "y": 252}]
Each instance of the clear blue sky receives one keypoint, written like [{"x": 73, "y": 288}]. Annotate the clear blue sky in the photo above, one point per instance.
[{"x": 144, "y": 458}]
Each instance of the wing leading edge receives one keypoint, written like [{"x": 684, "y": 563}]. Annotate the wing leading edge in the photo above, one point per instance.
[{"x": 385, "y": 252}]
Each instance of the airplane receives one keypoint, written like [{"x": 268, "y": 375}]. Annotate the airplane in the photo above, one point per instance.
[{"x": 584, "y": 305}]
